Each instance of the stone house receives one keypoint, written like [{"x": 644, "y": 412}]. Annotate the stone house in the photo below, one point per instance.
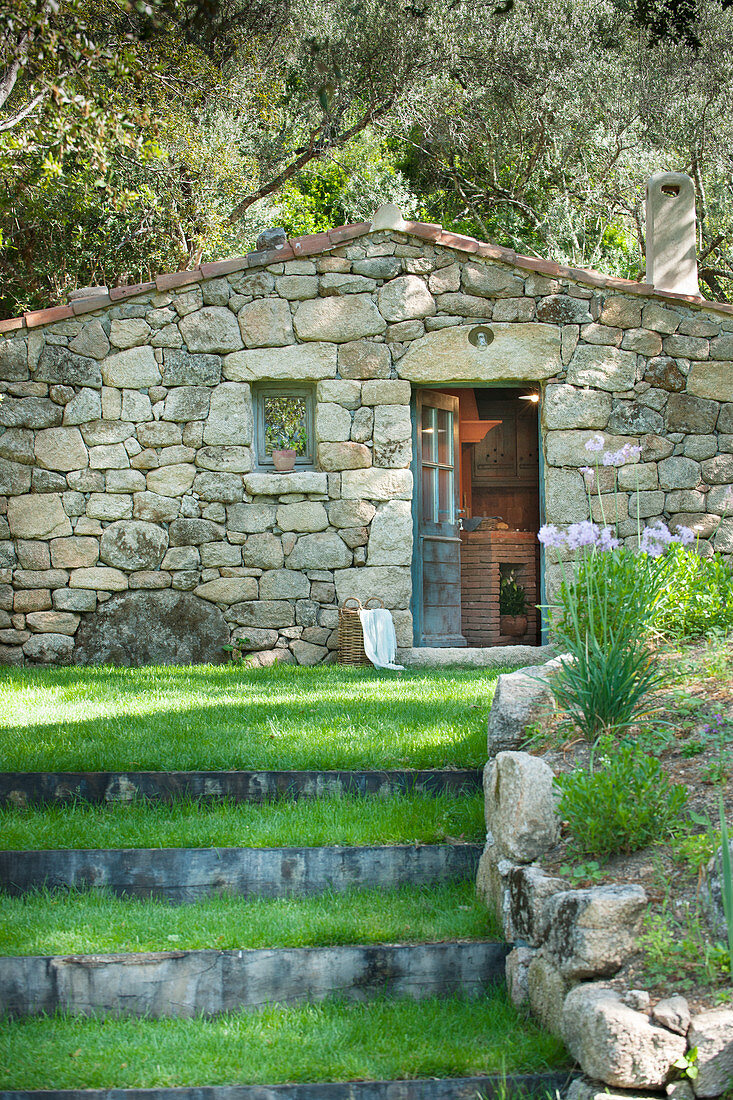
[{"x": 142, "y": 518}]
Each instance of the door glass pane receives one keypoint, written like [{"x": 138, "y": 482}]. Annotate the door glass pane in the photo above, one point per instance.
[
  {"x": 428, "y": 494},
  {"x": 446, "y": 500},
  {"x": 445, "y": 437},
  {"x": 429, "y": 440}
]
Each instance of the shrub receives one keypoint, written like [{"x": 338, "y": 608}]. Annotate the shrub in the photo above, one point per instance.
[
  {"x": 697, "y": 594},
  {"x": 622, "y": 805}
]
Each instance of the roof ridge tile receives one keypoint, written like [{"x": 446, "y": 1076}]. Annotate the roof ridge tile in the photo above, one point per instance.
[{"x": 311, "y": 244}]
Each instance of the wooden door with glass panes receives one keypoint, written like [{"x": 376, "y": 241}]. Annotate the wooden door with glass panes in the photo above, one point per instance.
[{"x": 438, "y": 542}]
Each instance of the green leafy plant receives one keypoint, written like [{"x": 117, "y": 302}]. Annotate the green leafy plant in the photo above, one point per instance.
[
  {"x": 678, "y": 949},
  {"x": 604, "y": 687},
  {"x": 697, "y": 595},
  {"x": 512, "y": 597},
  {"x": 621, "y": 805},
  {"x": 609, "y": 592},
  {"x": 285, "y": 423},
  {"x": 687, "y": 1064},
  {"x": 236, "y": 650},
  {"x": 578, "y": 873}
]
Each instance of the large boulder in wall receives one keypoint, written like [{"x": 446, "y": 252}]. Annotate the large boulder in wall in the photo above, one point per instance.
[{"x": 152, "y": 628}]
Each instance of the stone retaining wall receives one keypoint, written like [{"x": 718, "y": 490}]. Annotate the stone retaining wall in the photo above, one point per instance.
[
  {"x": 135, "y": 525},
  {"x": 567, "y": 941}
]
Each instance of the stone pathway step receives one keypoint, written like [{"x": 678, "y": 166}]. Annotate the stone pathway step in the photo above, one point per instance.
[
  {"x": 185, "y": 874},
  {"x": 527, "y": 1086},
  {"x": 186, "y": 983},
  {"x": 40, "y": 788}
]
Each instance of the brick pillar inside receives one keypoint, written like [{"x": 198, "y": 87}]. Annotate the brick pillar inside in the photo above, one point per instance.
[{"x": 483, "y": 553}]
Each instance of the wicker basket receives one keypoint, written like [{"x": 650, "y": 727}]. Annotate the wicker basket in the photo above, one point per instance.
[{"x": 351, "y": 636}]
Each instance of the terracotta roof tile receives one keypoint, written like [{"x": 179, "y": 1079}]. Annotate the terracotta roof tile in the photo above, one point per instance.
[
  {"x": 529, "y": 263},
  {"x": 427, "y": 231},
  {"x": 316, "y": 243},
  {"x": 455, "y": 240},
  {"x": 692, "y": 299},
  {"x": 120, "y": 293},
  {"x": 496, "y": 252},
  {"x": 342, "y": 233},
  {"x": 309, "y": 246},
  {"x": 224, "y": 267},
  {"x": 88, "y": 305},
  {"x": 272, "y": 256},
  {"x": 178, "y": 278},
  {"x": 47, "y": 316}
]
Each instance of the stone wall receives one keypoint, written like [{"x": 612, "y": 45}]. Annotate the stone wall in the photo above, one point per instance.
[
  {"x": 136, "y": 526},
  {"x": 569, "y": 944}
]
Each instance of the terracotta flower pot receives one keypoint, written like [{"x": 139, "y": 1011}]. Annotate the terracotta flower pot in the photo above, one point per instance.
[
  {"x": 284, "y": 461},
  {"x": 513, "y": 625}
]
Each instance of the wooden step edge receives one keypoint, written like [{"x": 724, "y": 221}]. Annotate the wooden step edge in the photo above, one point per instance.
[
  {"x": 40, "y": 788},
  {"x": 188, "y": 983},
  {"x": 186, "y": 874},
  {"x": 513, "y": 1086}
]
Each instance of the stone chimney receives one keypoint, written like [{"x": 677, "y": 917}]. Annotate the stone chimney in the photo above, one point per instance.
[{"x": 671, "y": 260}]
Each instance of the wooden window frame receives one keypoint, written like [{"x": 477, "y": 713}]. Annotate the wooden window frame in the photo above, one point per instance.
[{"x": 262, "y": 390}]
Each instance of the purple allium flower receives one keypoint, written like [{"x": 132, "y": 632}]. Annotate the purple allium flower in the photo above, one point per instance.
[
  {"x": 589, "y": 474},
  {"x": 549, "y": 535},
  {"x": 595, "y": 443},
  {"x": 654, "y": 540},
  {"x": 582, "y": 534},
  {"x": 685, "y": 535},
  {"x": 627, "y": 453},
  {"x": 607, "y": 540}
]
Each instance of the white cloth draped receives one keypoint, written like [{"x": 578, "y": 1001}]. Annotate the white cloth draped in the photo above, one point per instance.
[{"x": 380, "y": 642}]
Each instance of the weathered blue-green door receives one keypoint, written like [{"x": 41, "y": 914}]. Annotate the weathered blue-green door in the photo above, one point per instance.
[{"x": 438, "y": 541}]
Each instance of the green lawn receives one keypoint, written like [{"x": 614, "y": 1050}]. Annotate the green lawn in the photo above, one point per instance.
[
  {"x": 348, "y": 820},
  {"x": 213, "y": 717},
  {"x": 331, "y": 1041},
  {"x": 88, "y": 922}
]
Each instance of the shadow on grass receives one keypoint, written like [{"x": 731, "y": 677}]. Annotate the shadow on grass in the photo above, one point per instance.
[{"x": 208, "y": 717}]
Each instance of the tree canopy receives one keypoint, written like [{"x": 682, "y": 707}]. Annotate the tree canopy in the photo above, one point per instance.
[{"x": 137, "y": 137}]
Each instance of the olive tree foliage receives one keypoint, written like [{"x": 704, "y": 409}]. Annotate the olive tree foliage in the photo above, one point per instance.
[
  {"x": 545, "y": 140},
  {"x": 137, "y": 137},
  {"x": 150, "y": 136},
  {"x": 64, "y": 125}
]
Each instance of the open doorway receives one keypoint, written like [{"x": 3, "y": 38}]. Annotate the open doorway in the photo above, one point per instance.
[{"x": 478, "y": 513}]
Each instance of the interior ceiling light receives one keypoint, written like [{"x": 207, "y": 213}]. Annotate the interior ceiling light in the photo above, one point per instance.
[{"x": 534, "y": 397}]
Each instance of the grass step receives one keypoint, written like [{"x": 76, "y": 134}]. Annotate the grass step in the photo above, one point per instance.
[
  {"x": 186, "y": 874},
  {"x": 208, "y": 717},
  {"x": 517, "y": 1086},
  {"x": 187, "y": 823},
  {"x": 188, "y": 983},
  {"x": 42, "y": 788},
  {"x": 330, "y": 1041},
  {"x": 83, "y": 922}
]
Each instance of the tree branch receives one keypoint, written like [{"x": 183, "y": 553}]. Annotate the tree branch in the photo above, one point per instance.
[
  {"x": 9, "y": 77},
  {"x": 9, "y": 123},
  {"x": 313, "y": 151}
]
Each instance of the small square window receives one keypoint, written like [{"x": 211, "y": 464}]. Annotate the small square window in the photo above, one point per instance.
[{"x": 284, "y": 420}]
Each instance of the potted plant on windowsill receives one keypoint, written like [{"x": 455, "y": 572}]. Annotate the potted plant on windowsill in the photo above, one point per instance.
[
  {"x": 512, "y": 607},
  {"x": 285, "y": 447}
]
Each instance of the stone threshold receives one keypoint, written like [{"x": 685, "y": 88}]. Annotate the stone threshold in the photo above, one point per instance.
[
  {"x": 528, "y": 1086},
  {"x": 187, "y": 983},
  {"x": 39, "y": 788},
  {"x": 496, "y": 656},
  {"x": 185, "y": 874}
]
